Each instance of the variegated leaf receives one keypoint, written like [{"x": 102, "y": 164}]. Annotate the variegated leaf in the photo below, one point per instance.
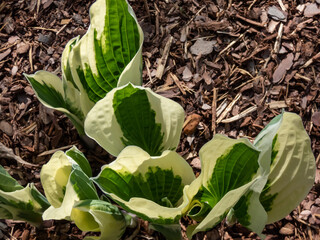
[
  {"x": 289, "y": 171},
  {"x": 150, "y": 187},
  {"x": 132, "y": 115},
  {"x": 18, "y": 203},
  {"x": 108, "y": 218},
  {"x": 229, "y": 168},
  {"x": 107, "y": 56}
]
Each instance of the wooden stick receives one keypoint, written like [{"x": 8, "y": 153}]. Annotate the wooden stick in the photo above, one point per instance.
[
  {"x": 282, "y": 5},
  {"x": 164, "y": 58},
  {"x": 214, "y": 111},
  {"x": 240, "y": 115},
  {"x": 146, "y": 6},
  {"x": 231, "y": 44},
  {"x": 252, "y": 4},
  {"x": 277, "y": 44},
  {"x": 310, "y": 61},
  {"x": 229, "y": 108},
  {"x": 259, "y": 24},
  {"x": 177, "y": 82},
  {"x": 54, "y": 150},
  {"x": 30, "y": 58},
  {"x": 46, "y": 29}
]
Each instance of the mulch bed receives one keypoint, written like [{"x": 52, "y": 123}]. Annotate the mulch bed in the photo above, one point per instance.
[{"x": 232, "y": 65}]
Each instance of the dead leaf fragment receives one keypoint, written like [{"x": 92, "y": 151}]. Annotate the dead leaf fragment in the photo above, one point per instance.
[
  {"x": 283, "y": 67},
  {"x": 202, "y": 47},
  {"x": 191, "y": 123},
  {"x": 316, "y": 119},
  {"x": 311, "y": 10},
  {"x": 7, "y": 153}
]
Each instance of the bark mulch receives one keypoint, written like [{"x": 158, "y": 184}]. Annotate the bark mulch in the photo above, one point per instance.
[{"x": 232, "y": 65}]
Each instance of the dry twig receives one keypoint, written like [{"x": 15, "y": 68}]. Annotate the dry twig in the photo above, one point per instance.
[{"x": 164, "y": 58}]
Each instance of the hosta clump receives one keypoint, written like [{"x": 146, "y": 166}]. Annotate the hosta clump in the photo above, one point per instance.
[
  {"x": 107, "y": 56},
  {"x": 252, "y": 183},
  {"x": 132, "y": 115}
]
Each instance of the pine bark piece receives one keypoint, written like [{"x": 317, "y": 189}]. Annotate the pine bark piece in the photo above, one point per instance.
[{"x": 283, "y": 67}]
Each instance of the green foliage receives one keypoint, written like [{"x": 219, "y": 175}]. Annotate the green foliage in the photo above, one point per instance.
[{"x": 107, "y": 56}]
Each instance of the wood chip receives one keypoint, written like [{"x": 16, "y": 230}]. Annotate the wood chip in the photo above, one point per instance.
[
  {"x": 311, "y": 10},
  {"x": 191, "y": 123},
  {"x": 202, "y": 47},
  {"x": 277, "y": 104},
  {"x": 282, "y": 69},
  {"x": 316, "y": 118},
  {"x": 5, "y": 54}
]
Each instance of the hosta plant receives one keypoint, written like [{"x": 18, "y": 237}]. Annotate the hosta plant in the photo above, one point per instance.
[
  {"x": 107, "y": 56},
  {"x": 133, "y": 115}
]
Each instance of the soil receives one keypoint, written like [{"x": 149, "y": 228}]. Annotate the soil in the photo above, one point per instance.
[{"x": 262, "y": 56}]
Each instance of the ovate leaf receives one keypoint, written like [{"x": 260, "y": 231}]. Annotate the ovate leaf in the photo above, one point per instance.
[
  {"x": 110, "y": 51},
  {"x": 49, "y": 90},
  {"x": 292, "y": 170},
  {"x": 150, "y": 187},
  {"x": 65, "y": 180},
  {"x": 287, "y": 175},
  {"x": 133, "y": 115},
  {"x": 229, "y": 168},
  {"x": 54, "y": 177}
]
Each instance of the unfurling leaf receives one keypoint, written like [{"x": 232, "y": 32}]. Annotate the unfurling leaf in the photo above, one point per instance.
[{"x": 107, "y": 56}]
